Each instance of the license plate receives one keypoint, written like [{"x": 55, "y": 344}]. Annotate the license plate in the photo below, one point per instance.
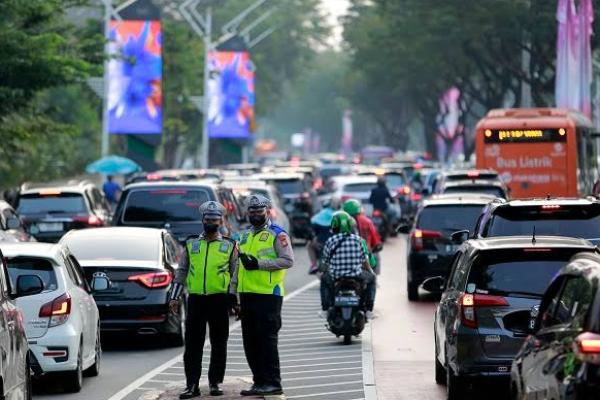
[
  {"x": 347, "y": 301},
  {"x": 50, "y": 226}
]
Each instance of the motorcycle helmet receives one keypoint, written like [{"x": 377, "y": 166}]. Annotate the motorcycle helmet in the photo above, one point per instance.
[
  {"x": 341, "y": 222},
  {"x": 352, "y": 207}
]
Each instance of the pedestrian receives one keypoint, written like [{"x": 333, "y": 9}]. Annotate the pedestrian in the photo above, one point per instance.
[
  {"x": 112, "y": 191},
  {"x": 209, "y": 271},
  {"x": 265, "y": 255}
]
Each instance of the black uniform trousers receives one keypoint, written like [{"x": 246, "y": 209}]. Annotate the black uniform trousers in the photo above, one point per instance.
[
  {"x": 261, "y": 322},
  {"x": 214, "y": 310}
]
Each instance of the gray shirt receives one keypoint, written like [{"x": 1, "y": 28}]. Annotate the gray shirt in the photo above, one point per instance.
[{"x": 283, "y": 249}]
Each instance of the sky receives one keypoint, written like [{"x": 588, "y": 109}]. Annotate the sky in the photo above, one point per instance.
[{"x": 335, "y": 9}]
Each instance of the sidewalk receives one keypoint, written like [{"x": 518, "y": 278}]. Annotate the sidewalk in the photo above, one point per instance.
[{"x": 402, "y": 334}]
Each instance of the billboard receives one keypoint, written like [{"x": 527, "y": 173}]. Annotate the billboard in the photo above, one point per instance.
[
  {"x": 135, "y": 78},
  {"x": 231, "y": 95}
]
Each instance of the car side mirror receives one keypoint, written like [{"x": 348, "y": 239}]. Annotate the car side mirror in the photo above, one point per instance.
[
  {"x": 13, "y": 223},
  {"x": 100, "y": 284},
  {"x": 533, "y": 314},
  {"x": 459, "y": 237},
  {"x": 403, "y": 228},
  {"x": 435, "y": 284},
  {"x": 29, "y": 285}
]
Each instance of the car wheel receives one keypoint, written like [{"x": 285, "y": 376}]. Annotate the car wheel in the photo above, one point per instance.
[
  {"x": 413, "y": 291},
  {"x": 94, "y": 370},
  {"x": 455, "y": 386},
  {"x": 74, "y": 379}
]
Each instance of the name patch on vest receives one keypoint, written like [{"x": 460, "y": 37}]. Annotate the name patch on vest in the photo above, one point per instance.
[
  {"x": 224, "y": 247},
  {"x": 263, "y": 237},
  {"x": 195, "y": 247}
]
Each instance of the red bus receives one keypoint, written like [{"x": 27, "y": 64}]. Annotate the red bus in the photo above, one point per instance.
[{"x": 539, "y": 152}]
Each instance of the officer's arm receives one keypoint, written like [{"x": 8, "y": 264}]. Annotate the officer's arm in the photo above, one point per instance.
[
  {"x": 180, "y": 277},
  {"x": 233, "y": 269},
  {"x": 285, "y": 255}
]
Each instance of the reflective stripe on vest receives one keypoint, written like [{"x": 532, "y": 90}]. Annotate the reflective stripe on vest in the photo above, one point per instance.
[
  {"x": 209, "y": 266},
  {"x": 262, "y": 246}
]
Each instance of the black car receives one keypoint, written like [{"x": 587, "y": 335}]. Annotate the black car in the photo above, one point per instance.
[
  {"x": 50, "y": 212},
  {"x": 173, "y": 206},
  {"x": 140, "y": 264},
  {"x": 12, "y": 225},
  {"x": 561, "y": 359},
  {"x": 15, "y": 369},
  {"x": 483, "y": 316},
  {"x": 550, "y": 216},
  {"x": 431, "y": 249}
]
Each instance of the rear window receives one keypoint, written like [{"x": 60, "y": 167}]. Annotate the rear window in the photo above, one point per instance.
[
  {"x": 581, "y": 222},
  {"x": 492, "y": 190},
  {"x": 289, "y": 186},
  {"x": 114, "y": 248},
  {"x": 449, "y": 219},
  {"x": 67, "y": 203},
  {"x": 164, "y": 205},
  {"x": 517, "y": 273},
  {"x": 41, "y": 267},
  {"x": 359, "y": 187},
  {"x": 462, "y": 177},
  {"x": 394, "y": 180}
]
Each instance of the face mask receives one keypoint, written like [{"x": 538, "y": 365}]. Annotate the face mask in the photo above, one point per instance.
[
  {"x": 258, "y": 220},
  {"x": 211, "y": 228}
]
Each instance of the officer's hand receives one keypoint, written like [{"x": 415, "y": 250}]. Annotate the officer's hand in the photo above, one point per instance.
[
  {"x": 249, "y": 262},
  {"x": 234, "y": 308},
  {"x": 174, "y": 306}
]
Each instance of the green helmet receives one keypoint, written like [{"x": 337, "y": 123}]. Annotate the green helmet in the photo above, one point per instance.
[
  {"x": 352, "y": 207},
  {"x": 341, "y": 222}
]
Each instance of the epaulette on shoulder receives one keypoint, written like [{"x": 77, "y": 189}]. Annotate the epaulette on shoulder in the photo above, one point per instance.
[{"x": 277, "y": 229}]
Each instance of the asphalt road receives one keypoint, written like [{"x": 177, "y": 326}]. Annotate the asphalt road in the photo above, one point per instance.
[{"x": 125, "y": 359}]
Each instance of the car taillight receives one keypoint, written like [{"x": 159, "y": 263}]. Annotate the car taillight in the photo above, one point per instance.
[
  {"x": 473, "y": 174},
  {"x": 416, "y": 197},
  {"x": 58, "y": 310},
  {"x": 587, "y": 347},
  {"x": 377, "y": 213},
  {"x": 153, "y": 280},
  {"x": 404, "y": 190},
  {"x": 469, "y": 302},
  {"x": 90, "y": 220},
  {"x": 419, "y": 235}
]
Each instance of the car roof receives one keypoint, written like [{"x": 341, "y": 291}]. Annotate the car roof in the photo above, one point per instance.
[
  {"x": 346, "y": 180},
  {"x": 456, "y": 172},
  {"x": 79, "y": 189},
  {"x": 32, "y": 249},
  {"x": 200, "y": 183},
  {"x": 572, "y": 201},
  {"x": 473, "y": 182},
  {"x": 458, "y": 198},
  {"x": 526, "y": 242},
  {"x": 117, "y": 232},
  {"x": 278, "y": 177}
]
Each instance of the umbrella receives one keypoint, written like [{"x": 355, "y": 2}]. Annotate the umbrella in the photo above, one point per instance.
[{"x": 112, "y": 165}]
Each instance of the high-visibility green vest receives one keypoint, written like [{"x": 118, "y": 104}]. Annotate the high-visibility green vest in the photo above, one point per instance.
[
  {"x": 209, "y": 266},
  {"x": 261, "y": 245}
]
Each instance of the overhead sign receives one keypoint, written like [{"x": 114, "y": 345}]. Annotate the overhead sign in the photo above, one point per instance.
[
  {"x": 524, "y": 135},
  {"x": 231, "y": 95},
  {"x": 135, "y": 78}
]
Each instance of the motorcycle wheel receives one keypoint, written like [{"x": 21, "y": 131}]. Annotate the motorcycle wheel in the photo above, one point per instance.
[{"x": 347, "y": 339}]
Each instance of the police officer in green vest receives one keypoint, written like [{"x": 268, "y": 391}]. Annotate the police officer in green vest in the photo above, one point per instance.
[
  {"x": 265, "y": 255},
  {"x": 209, "y": 272}
]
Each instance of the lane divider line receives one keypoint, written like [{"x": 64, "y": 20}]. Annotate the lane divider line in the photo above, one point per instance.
[
  {"x": 137, "y": 384},
  {"x": 368, "y": 367}
]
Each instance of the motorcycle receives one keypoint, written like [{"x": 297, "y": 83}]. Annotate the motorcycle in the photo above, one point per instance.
[
  {"x": 300, "y": 221},
  {"x": 381, "y": 223},
  {"x": 346, "y": 318}
]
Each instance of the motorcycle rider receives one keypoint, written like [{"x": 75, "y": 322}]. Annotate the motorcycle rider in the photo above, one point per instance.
[
  {"x": 366, "y": 229},
  {"x": 344, "y": 257},
  {"x": 380, "y": 199},
  {"x": 321, "y": 227}
]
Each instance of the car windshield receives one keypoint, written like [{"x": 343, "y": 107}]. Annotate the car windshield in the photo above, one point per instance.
[
  {"x": 449, "y": 218},
  {"x": 492, "y": 190},
  {"x": 43, "y": 268},
  {"x": 112, "y": 248},
  {"x": 581, "y": 222},
  {"x": 164, "y": 205},
  {"x": 68, "y": 203},
  {"x": 521, "y": 272},
  {"x": 359, "y": 187},
  {"x": 289, "y": 186}
]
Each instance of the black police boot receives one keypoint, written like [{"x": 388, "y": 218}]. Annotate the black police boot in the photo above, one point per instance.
[
  {"x": 270, "y": 390},
  {"x": 215, "y": 390},
  {"x": 254, "y": 390},
  {"x": 190, "y": 392}
]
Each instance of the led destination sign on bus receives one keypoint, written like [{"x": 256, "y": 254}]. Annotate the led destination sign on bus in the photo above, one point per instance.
[{"x": 524, "y": 135}]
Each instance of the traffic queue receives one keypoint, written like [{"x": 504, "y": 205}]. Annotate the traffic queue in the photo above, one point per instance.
[{"x": 187, "y": 248}]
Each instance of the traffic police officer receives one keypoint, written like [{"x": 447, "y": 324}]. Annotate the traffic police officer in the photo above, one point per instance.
[
  {"x": 265, "y": 254},
  {"x": 209, "y": 271}
]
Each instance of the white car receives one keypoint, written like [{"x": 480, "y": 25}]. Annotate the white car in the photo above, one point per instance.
[
  {"x": 357, "y": 187},
  {"x": 62, "y": 321}
]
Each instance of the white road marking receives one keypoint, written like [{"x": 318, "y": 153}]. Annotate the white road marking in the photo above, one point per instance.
[{"x": 137, "y": 384}]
